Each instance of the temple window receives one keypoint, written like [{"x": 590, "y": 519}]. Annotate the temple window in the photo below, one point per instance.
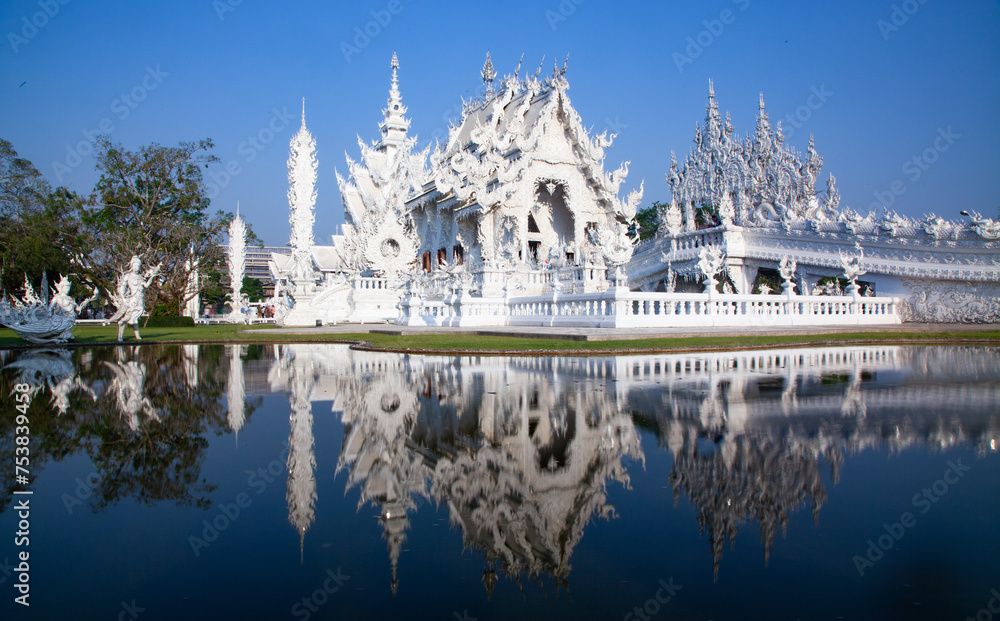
[
  {"x": 532, "y": 225},
  {"x": 442, "y": 256},
  {"x": 459, "y": 254},
  {"x": 427, "y": 261}
]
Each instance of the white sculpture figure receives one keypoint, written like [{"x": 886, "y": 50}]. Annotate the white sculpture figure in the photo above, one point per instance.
[
  {"x": 237, "y": 262},
  {"x": 65, "y": 304},
  {"x": 280, "y": 303},
  {"x": 302, "y": 198},
  {"x": 852, "y": 267},
  {"x": 786, "y": 267},
  {"x": 712, "y": 261},
  {"x": 727, "y": 212},
  {"x": 764, "y": 288},
  {"x": 53, "y": 368},
  {"x": 36, "y": 319},
  {"x": 984, "y": 227},
  {"x": 129, "y": 388},
  {"x": 130, "y": 297},
  {"x": 671, "y": 280}
]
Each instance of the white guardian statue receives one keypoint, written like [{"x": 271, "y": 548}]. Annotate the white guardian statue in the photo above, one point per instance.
[{"x": 130, "y": 296}]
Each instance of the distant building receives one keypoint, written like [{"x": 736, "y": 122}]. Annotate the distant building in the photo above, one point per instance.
[{"x": 256, "y": 264}]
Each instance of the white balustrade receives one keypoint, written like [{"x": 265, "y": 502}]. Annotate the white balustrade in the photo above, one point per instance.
[{"x": 622, "y": 308}]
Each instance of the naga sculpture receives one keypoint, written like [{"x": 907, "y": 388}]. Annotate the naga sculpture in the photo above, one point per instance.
[{"x": 37, "y": 319}]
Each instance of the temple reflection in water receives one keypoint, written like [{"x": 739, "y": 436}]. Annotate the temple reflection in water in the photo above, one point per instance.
[{"x": 520, "y": 451}]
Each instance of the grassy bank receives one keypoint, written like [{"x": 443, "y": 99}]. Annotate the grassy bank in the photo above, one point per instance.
[{"x": 465, "y": 342}]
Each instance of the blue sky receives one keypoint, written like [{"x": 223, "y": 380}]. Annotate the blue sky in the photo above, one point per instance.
[{"x": 878, "y": 83}]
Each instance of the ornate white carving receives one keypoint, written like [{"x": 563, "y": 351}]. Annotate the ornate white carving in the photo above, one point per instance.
[
  {"x": 237, "y": 261},
  {"x": 37, "y": 319},
  {"x": 712, "y": 261},
  {"x": 771, "y": 182},
  {"x": 951, "y": 302},
  {"x": 984, "y": 227},
  {"x": 786, "y": 267},
  {"x": 302, "y": 167},
  {"x": 851, "y": 265}
]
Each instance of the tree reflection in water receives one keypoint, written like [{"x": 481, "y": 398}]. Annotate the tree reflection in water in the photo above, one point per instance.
[{"x": 141, "y": 414}]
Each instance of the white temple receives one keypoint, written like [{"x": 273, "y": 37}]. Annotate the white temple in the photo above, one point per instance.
[
  {"x": 766, "y": 206},
  {"x": 515, "y": 221}
]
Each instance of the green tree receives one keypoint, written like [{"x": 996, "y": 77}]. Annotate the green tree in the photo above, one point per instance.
[
  {"x": 39, "y": 227},
  {"x": 647, "y": 221},
  {"x": 153, "y": 203},
  {"x": 253, "y": 288}
]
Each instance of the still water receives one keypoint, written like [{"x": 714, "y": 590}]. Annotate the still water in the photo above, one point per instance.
[{"x": 317, "y": 482}]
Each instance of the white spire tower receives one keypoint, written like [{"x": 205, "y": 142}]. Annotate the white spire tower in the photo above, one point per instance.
[
  {"x": 302, "y": 198},
  {"x": 395, "y": 125},
  {"x": 237, "y": 264}
]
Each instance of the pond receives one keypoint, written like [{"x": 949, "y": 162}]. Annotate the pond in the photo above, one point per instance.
[{"x": 304, "y": 482}]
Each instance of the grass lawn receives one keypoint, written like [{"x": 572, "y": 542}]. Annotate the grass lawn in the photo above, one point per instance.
[{"x": 464, "y": 342}]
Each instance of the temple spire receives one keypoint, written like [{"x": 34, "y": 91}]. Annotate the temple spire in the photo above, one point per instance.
[
  {"x": 489, "y": 75},
  {"x": 394, "y": 124}
]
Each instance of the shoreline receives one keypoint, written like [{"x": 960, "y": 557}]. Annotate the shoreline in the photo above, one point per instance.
[{"x": 534, "y": 341}]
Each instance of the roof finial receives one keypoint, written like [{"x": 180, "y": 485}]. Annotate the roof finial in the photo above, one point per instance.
[
  {"x": 538, "y": 71},
  {"x": 488, "y": 72},
  {"x": 395, "y": 67},
  {"x": 711, "y": 90},
  {"x": 565, "y": 64},
  {"x": 303, "y": 110},
  {"x": 237, "y": 208},
  {"x": 762, "y": 100},
  {"x": 517, "y": 71}
]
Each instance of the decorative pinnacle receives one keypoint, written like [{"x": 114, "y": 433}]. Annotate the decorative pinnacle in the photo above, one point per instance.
[
  {"x": 711, "y": 90},
  {"x": 762, "y": 100},
  {"x": 488, "y": 73},
  {"x": 395, "y": 66},
  {"x": 303, "y": 111}
]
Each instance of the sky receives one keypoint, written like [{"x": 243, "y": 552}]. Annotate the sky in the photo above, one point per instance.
[{"x": 902, "y": 97}]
